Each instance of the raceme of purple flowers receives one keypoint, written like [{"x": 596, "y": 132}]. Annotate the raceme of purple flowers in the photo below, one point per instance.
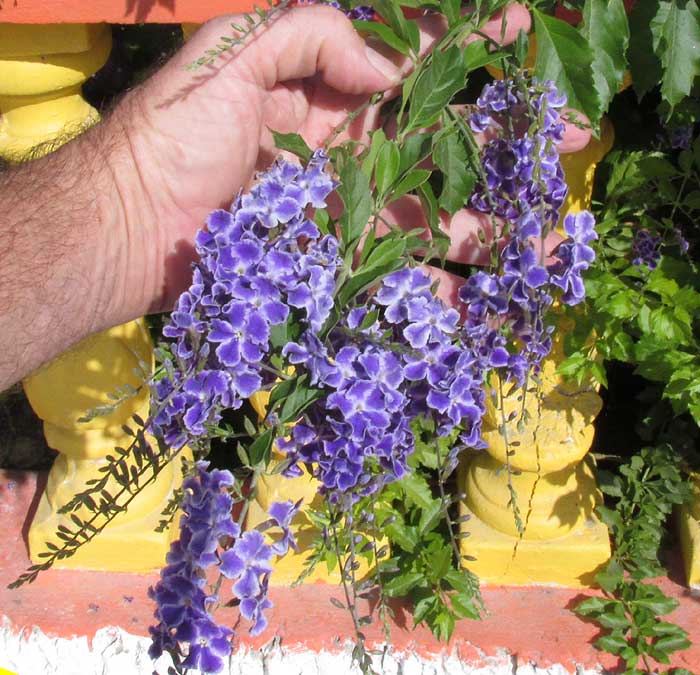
[
  {"x": 395, "y": 358},
  {"x": 183, "y": 599},
  {"x": 523, "y": 186},
  {"x": 258, "y": 262},
  {"x": 647, "y": 249}
]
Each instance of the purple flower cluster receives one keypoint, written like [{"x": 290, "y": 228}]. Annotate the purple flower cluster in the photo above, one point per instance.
[
  {"x": 183, "y": 605},
  {"x": 681, "y": 138},
  {"x": 396, "y": 358},
  {"x": 647, "y": 249},
  {"x": 258, "y": 262},
  {"x": 574, "y": 257},
  {"x": 523, "y": 185},
  {"x": 523, "y": 179}
]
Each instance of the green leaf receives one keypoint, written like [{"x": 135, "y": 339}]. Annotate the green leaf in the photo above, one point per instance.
[
  {"x": 659, "y": 606},
  {"x": 443, "y": 626},
  {"x": 676, "y": 34},
  {"x": 297, "y": 401},
  {"x": 614, "y": 621},
  {"x": 424, "y": 607},
  {"x": 391, "y": 12},
  {"x": 672, "y": 643},
  {"x": 606, "y": 29},
  {"x": 417, "y": 490},
  {"x": 387, "y": 166},
  {"x": 361, "y": 280},
  {"x": 378, "y": 140},
  {"x": 384, "y": 33},
  {"x": 611, "y": 576},
  {"x": 564, "y": 56},
  {"x": 478, "y": 54},
  {"x": 450, "y": 155},
  {"x": 401, "y": 585},
  {"x": 592, "y": 606},
  {"x": 520, "y": 48},
  {"x": 464, "y": 606},
  {"x": 410, "y": 182},
  {"x": 415, "y": 149},
  {"x": 293, "y": 143},
  {"x": 644, "y": 65},
  {"x": 357, "y": 199},
  {"x": 452, "y": 10},
  {"x": 611, "y": 643},
  {"x": 387, "y": 252},
  {"x": 435, "y": 87},
  {"x": 430, "y": 517},
  {"x": 403, "y": 535},
  {"x": 259, "y": 450}
]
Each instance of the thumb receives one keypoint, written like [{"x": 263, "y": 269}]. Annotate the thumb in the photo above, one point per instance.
[{"x": 300, "y": 43}]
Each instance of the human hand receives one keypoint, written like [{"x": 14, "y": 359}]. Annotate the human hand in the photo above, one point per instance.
[{"x": 194, "y": 139}]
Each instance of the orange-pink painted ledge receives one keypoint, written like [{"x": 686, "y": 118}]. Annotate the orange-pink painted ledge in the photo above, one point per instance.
[
  {"x": 119, "y": 11},
  {"x": 534, "y": 624}
]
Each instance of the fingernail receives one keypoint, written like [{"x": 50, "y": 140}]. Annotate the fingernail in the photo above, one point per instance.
[{"x": 383, "y": 65}]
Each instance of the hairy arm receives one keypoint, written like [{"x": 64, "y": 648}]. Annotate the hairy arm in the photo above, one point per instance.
[{"x": 65, "y": 248}]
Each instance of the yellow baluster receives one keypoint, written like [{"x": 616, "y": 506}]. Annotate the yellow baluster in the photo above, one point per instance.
[
  {"x": 689, "y": 524},
  {"x": 554, "y": 482},
  {"x": 579, "y": 168},
  {"x": 42, "y": 69},
  {"x": 60, "y": 394},
  {"x": 272, "y": 488}
]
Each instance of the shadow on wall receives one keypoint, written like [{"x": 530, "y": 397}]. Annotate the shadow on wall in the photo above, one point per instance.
[{"x": 142, "y": 8}]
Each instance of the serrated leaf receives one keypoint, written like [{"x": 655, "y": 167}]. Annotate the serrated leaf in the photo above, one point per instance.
[
  {"x": 644, "y": 65},
  {"x": 430, "y": 517},
  {"x": 294, "y": 143},
  {"x": 564, "y": 56},
  {"x": 450, "y": 155},
  {"x": 676, "y": 35},
  {"x": 435, "y": 87},
  {"x": 417, "y": 490},
  {"x": 606, "y": 29},
  {"x": 401, "y": 585}
]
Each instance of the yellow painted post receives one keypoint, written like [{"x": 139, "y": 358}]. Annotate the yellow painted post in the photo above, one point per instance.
[
  {"x": 563, "y": 541},
  {"x": 42, "y": 69},
  {"x": 689, "y": 525},
  {"x": 274, "y": 487},
  {"x": 60, "y": 394}
]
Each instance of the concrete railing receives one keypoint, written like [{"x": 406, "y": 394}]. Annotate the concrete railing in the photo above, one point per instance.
[{"x": 47, "y": 51}]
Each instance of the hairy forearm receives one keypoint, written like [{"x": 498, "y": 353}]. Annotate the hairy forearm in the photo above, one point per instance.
[{"x": 66, "y": 248}]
